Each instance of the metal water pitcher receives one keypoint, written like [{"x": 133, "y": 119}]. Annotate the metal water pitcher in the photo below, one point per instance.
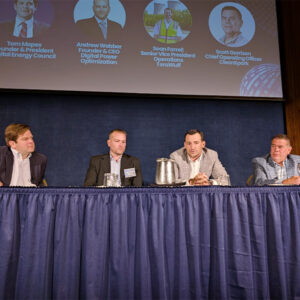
[{"x": 165, "y": 171}]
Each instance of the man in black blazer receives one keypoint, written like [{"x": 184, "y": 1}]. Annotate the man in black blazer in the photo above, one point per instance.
[
  {"x": 99, "y": 27},
  {"x": 20, "y": 165},
  {"x": 24, "y": 25},
  {"x": 128, "y": 168}
]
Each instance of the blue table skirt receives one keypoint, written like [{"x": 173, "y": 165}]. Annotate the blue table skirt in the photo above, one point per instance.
[{"x": 150, "y": 243}]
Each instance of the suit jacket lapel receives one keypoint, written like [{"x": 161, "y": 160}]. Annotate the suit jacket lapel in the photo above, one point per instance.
[
  {"x": 124, "y": 165},
  {"x": 34, "y": 168},
  {"x": 105, "y": 168},
  {"x": 186, "y": 171},
  {"x": 290, "y": 167},
  {"x": 9, "y": 160},
  {"x": 271, "y": 174},
  {"x": 204, "y": 163}
]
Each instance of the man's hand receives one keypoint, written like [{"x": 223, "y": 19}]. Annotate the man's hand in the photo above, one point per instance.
[
  {"x": 1, "y": 184},
  {"x": 292, "y": 180},
  {"x": 199, "y": 179}
]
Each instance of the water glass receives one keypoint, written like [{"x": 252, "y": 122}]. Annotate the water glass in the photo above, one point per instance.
[
  {"x": 224, "y": 180},
  {"x": 111, "y": 179}
]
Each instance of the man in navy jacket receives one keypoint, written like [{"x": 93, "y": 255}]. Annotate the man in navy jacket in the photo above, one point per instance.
[{"x": 20, "y": 165}]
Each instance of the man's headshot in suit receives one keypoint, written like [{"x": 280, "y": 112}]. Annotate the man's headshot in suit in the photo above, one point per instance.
[
  {"x": 100, "y": 27},
  {"x": 24, "y": 25}
]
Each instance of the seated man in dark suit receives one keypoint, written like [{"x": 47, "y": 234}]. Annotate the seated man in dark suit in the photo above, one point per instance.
[
  {"x": 128, "y": 168},
  {"x": 279, "y": 166},
  {"x": 20, "y": 165},
  {"x": 99, "y": 27},
  {"x": 24, "y": 25}
]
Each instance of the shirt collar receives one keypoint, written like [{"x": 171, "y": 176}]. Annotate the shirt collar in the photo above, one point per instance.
[
  {"x": 18, "y": 155},
  {"x": 20, "y": 21},
  {"x": 168, "y": 23},
  {"x": 197, "y": 160},
  {"x": 111, "y": 158},
  {"x": 101, "y": 21},
  {"x": 276, "y": 164},
  {"x": 232, "y": 40}
]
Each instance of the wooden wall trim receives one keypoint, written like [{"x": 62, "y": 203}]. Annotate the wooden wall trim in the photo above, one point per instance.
[{"x": 289, "y": 11}]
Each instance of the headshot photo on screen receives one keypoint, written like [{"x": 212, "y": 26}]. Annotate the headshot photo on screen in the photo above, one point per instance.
[
  {"x": 100, "y": 20},
  {"x": 24, "y": 23},
  {"x": 167, "y": 22},
  {"x": 231, "y": 24}
]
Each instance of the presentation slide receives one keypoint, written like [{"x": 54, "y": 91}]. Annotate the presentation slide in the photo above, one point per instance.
[{"x": 162, "y": 47}]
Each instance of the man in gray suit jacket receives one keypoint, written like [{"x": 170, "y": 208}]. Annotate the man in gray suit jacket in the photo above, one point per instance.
[
  {"x": 196, "y": 163},
  {"x": 278, "y": 167},
  {"x": 128, "y": 168}
]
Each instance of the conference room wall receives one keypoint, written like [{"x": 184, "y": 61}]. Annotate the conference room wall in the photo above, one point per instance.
[{"x": 69, "y": 129}]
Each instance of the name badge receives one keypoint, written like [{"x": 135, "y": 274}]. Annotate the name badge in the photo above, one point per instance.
[{"x": 129, "y": 172}]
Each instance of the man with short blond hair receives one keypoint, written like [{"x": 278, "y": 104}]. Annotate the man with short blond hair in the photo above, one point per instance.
[
  {"x": 126, "y": 167},
  {"x": 279, "y": 166},
  {"x": 20, "y": 165},
  {"x": 195, "y": 163}
]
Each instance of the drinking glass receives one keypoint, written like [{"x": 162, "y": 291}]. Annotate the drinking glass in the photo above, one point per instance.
[
  {"x": 111, "y": 179},
  {"x": 223, "y": 180}
]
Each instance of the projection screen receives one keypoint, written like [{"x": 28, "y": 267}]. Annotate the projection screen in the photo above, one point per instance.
[{"x": 167, "y": 47}]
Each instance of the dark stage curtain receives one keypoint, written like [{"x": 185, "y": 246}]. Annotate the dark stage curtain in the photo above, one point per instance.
[{"x": 150, "y": 243}]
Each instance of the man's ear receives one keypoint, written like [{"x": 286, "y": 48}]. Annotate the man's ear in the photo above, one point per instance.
[
  {"x": 203, "y": 144},
  {"x": 12, "y": 144}
]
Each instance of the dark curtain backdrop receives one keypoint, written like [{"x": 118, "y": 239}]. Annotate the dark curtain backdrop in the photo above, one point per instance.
[
  {"x": 149, "y": 243},
  {"x": 71, "y": 128}
]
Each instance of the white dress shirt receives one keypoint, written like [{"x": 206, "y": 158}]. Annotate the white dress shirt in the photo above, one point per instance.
[
  {"x": 115, "y": 167},
  {"x": 195, "y": 165},
  {"x": 21, "y": 175},
  {"x": 18, "y": 27}
]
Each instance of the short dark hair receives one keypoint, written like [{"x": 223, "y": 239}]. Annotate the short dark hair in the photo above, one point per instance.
[
  {"x": 282, "y": 137},
  {"x": 13, "y": 131},
  {"x": 117, "y": 130},
  {"x": 194, "y": 131},
  {"x": 35, "y": 2},
  {"x": 107, "y": 1},
  {"x": 232, "y": 8}
]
